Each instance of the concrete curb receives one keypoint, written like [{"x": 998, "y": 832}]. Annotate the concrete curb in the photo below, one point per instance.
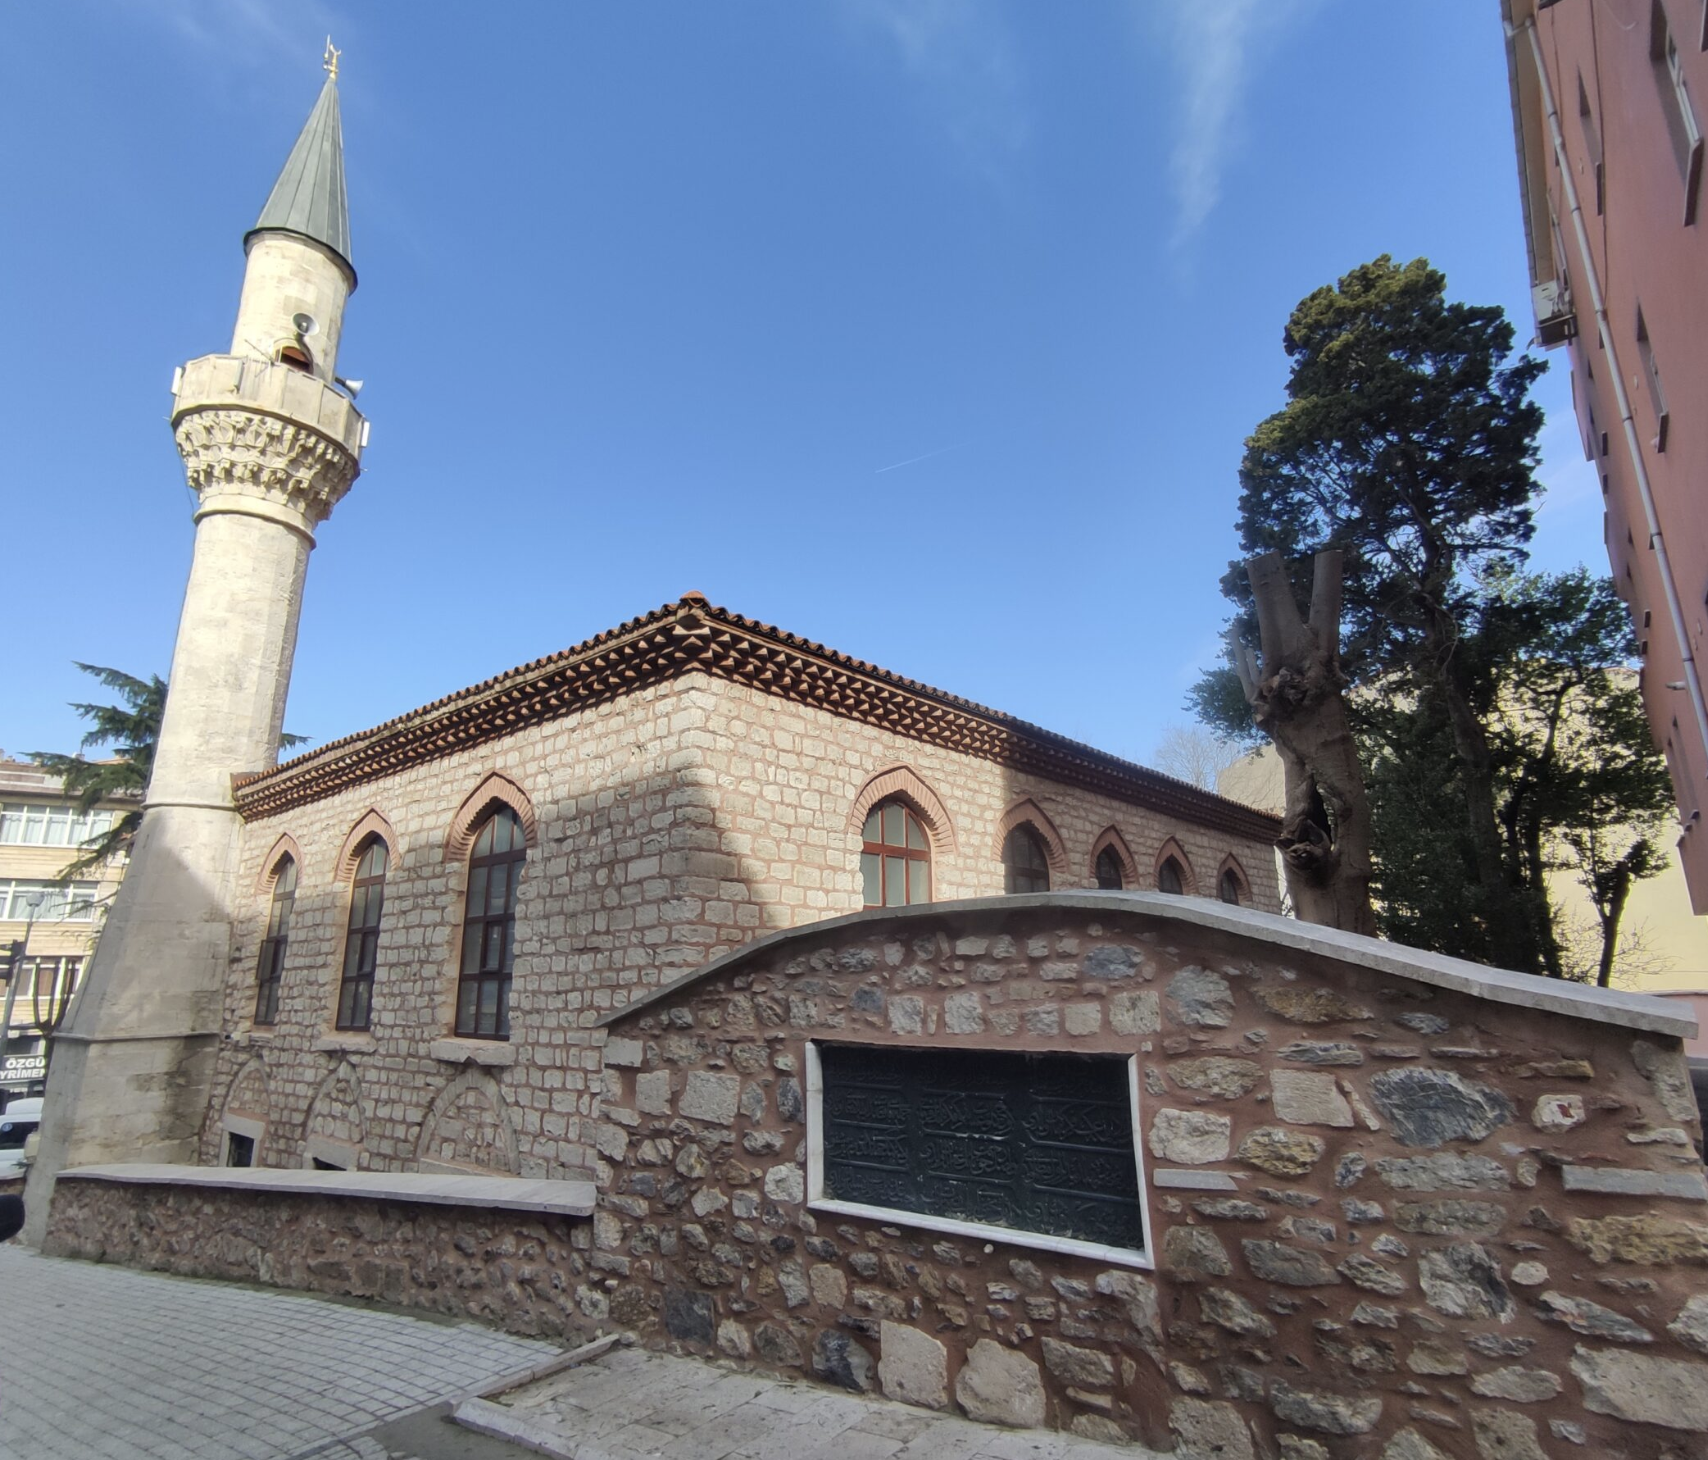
[
  {"x": 500, "y": 1423},
  {"x": 556, "y": 1364},
  {"x": 477, "y": 1412}
]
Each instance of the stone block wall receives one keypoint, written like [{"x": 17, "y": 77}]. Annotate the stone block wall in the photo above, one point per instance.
[
  {"x": 598, "y": 913},
  {"x": 513, "y": 1270},
  {"x": 788, "y": 775},
  {"x": 1443, "y": 1213},
  {"x": 670, "y": 825}
]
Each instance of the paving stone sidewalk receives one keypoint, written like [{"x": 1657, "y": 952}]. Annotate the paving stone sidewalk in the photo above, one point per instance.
[
  {"x": 634, "y": 1405},
  {"x": 108, "y": 1363}
]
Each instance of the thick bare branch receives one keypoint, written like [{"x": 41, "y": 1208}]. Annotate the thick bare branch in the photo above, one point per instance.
[
  {"x": 1325, "y": 597},
  {"x": 1277, "y": 615}
]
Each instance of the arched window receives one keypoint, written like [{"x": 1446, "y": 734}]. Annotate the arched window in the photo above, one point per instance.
[
  {"x": 1109, "y": 870},
  {"x": 1025, "y": 863},
  {"x": 489, "y": 926},
  {"x": 1171, "y": 877},
  {"x": 895, "y": 857},
  {"x": 270, "y": 971},
  {"x": 1228, "y": 888},
  {"x": 362, "y": 939}
]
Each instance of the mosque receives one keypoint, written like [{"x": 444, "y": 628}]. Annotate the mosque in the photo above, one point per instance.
[
  {"x": 391, "y": 953},
  {"x": 703, "y": 983}
]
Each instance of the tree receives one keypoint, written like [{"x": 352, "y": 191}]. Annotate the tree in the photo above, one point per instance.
[
  {"x": 1408, "y": 443},
  {"x": 1195, "y": 755},
  {"x": 131, "y": 729},
  {"x": 1499, "y": 730},
  {"x": 1580, "y": 793}
]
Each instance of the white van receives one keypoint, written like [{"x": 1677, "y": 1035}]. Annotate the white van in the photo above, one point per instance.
[{"x": 18, "y": 1122}]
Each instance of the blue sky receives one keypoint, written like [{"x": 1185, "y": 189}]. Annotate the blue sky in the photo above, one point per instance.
[{"x": 928, "y": 329}]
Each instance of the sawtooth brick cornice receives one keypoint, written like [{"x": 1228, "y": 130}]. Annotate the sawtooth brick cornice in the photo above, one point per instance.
[{"x": 691, "y": 635}]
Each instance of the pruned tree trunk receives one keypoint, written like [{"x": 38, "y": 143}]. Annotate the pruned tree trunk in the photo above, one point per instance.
[
  {"x": 1296, "y": 699},
  {"x": 1618, "y": 892}
]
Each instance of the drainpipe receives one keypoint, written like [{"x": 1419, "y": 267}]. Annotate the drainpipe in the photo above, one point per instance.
[{"x": 1580, "y": 231}]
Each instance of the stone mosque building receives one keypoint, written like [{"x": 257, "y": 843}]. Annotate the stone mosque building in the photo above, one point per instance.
[
  {"x": 703, "y": 983},
  {"x": 391, "y": 953}
]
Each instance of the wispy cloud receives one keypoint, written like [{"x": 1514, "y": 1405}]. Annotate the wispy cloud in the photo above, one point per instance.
[
  {"x": 961, "y": 55},
  {"x": 1213, "y": 45},
  {"x": 926, "y": 456},
  {"x": 248, "y": 33},
  {"x": 1569, "y": 483}
]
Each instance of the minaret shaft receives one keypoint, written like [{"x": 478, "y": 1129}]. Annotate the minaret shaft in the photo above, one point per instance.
[{"x": 270, "y": 445}]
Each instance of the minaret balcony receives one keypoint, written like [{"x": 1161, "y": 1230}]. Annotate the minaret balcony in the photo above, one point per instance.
[
  {"x": 265, "y": 439},
  {"x": 235, "y": 382}
]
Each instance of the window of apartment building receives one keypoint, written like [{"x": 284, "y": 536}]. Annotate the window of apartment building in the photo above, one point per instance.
[
  {"x": 1591, "y": 144},
  {"x": 45, "y": 987},
  {"x": 1171, "y": 877},
  {"x": 1680, "y": 112},
  {"x": 489, "y": 927},
  {"x": 26, "y": 901},
  {"x": 1108, "y": 870},
  {"x": 270, "y": 971},
  {"x": 1025, "y": 863},
  {"x": 362, "y": 937},
  {"x": 895, "y": 857},
  {"x": 1652, "y": 378},
  {"x": 981, "y": 1142},
  {"x": 24, "y": 824}
]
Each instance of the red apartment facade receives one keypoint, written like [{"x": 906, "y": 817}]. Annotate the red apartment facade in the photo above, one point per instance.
[{"x": 1610, "y": 100}]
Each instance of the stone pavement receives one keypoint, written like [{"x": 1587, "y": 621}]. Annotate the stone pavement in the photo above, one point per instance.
[
  {"x": 108, "y": 1363},
  {"x": 634, "y": 1405}
]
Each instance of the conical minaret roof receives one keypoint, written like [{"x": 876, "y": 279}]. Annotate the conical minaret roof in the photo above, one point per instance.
[{"x": 309, "y": 196}]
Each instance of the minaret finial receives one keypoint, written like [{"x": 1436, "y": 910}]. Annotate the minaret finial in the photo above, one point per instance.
[{"x": 329, "y": 62}]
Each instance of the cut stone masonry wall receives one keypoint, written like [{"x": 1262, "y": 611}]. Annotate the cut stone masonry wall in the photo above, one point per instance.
[
  {"x": 1390, "y": 1217},
  {"x": 670, "y": 825}
]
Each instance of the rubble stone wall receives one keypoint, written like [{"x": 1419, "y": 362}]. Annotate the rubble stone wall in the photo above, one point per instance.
[
  {"x": 516, "y": 1271},
  {"x": 1388, "y": 1217}
]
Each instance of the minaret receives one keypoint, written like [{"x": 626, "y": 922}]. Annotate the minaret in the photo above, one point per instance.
[{"x": 270, "y": 444}]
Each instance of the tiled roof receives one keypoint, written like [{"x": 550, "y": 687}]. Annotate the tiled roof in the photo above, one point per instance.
[{"x": 691, "y": 635}]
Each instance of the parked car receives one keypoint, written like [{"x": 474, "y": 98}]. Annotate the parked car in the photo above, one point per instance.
[{"x": 18, "y": 1122}]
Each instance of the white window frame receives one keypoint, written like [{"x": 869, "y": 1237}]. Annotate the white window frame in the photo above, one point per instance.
[
  {"x": 77, "y": 903},
  {"x": 1652, "y": 378},
  {"x": 19, "y": 819},
  {"x": 979, "y": 1231},
  {"x": 29, "y": 980},
  {"x": 1682, "y": 125},
  {"x": 1592, "y": 144},
  {"x": 241, "y": 1125}
]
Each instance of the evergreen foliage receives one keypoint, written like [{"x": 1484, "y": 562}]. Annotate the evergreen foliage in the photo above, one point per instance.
[
  {"x": 130, "y": 729},
  {"x": 1502, "y": 735}
]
